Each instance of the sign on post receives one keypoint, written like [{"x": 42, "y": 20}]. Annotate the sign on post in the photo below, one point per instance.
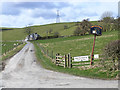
[
  {"x": 81, "y": 58},
  {"x": 96, "y": 56},
  {"x": 96, "y": 30}
]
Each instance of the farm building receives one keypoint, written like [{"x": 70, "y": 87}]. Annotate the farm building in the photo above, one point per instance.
[{"x": 33, "y": 36}]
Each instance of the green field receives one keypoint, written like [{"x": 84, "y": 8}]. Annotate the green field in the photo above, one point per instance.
[
  {"x": 7, "y": 46},
  {"x": 96, "y": 72},
  {"x": 78, "y": 45},
  {"x": 18, "y": 33},
  {"x": 8, "y": 49},
  {"x": 12, "y": 52}
]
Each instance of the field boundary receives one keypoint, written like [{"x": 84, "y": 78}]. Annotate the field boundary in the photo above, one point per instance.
[
  {"x": 66, "y": 60},
  {"x": 47, "y": 63}
]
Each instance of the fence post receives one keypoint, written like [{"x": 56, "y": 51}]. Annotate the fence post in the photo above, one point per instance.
[
  {"x": 65, "y": 63},
  {"x": 55, "y": 59},
  {"x": 52, "y": 54},
  {"x": 69, "y": 60}
]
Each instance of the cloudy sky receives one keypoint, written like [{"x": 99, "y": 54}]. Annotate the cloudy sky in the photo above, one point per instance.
[{"x": 21, "y": 14}]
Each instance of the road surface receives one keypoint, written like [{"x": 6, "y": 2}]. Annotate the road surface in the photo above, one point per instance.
[{"x": 22, "y": 71}]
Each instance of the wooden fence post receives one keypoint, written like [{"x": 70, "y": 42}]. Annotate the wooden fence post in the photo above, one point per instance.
[
  {"x": 52, "y": 54},
  {"x": 55, "y": 59},
  {"x": 65, "y": 62},
  {"x": 69, "y": 60}
]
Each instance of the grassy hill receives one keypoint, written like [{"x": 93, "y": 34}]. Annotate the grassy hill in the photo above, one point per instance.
[
  {"x": 18, "y": 33},
  {"x": 78, "y": 45}
]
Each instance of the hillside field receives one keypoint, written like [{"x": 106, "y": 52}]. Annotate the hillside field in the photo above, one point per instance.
[
  {"x": 18, "y": 33},
  {"x": 7, "y": 46},
  {"x": 78, "y": 45}
]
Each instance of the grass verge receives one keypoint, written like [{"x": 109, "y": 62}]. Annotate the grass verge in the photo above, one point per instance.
[
  {"x": 95, "y": 73},
  {"x": 12, "y": 53}
]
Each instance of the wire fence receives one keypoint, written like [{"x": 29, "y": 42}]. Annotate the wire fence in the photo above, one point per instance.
[{"x": 47, "y": 52}]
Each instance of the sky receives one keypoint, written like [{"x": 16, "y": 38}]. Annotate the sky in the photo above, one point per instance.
[{"x": 19, "y": 14}]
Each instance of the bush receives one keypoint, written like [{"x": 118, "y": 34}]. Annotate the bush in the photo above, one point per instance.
[
  {"x": 56, "y": 34},
  {"x": 112, "y": 49},
  {"x": 50, "y": 31},
  {"x": 65, "y": 27},
  {"x": 77, "y": 31},
  {"x": 83, "y": 28},
  {"x": 112, "y": 52}
]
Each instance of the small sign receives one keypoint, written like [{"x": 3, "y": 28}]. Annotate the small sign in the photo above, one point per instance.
[
  {"x": 96, "y": 30},
  {"x": 96, "y": 56},
  {"x": 81, "y": 58}
]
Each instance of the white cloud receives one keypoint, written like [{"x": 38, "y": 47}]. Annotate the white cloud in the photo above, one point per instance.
[
  {"x": 76, "y": 11},
  {"x": 23, "y": 20}
]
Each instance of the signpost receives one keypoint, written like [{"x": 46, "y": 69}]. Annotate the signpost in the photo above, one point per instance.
[{"x": 96, "y": 31}]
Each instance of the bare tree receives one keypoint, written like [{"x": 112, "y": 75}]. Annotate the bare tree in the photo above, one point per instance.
[
  {"x": 56, "y": 34},
  {"x": 107, "y": 19},
  {"x": 85, "y": 26},
  {"x": 50, "y": 31},
  {"x": 28, "y": 30},
  {"x": 77, "y": 31},
  {"x": 107, "y": 14},
  {"x": 65, "y": 27}
]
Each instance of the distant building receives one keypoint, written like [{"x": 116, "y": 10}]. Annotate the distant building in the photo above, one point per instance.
[
  {"x": 119, "y": 9},
  {"x": 33, "y": 36}
]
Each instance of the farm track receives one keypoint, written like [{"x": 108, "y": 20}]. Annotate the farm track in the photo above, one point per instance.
[{"x": 22, "y": 71}]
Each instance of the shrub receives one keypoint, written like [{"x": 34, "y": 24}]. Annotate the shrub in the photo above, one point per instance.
[
  {"x": 56, "y": 34},
  {"x": 77, "y": 31},
  {"x": 50, "y": 31},
  {"x": 85, "y": 26},
  {"x": 112, "y": 52},
  {"x": 65, "y": 27}
]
